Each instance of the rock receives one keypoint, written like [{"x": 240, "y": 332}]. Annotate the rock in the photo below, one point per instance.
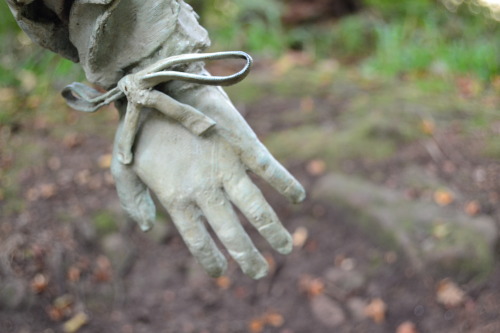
[
  {"x": 13, "y": 294},
  {"x": 356, "y": 307},
  {"x": 327, "y": 311},
  {"x": 121, "y": 253},
  {"x": 438, "y": 240},
  {"x": 341, "y": 283}
]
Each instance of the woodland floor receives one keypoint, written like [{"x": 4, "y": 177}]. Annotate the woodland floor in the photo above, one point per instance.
[{"x": 67, "y": 252}]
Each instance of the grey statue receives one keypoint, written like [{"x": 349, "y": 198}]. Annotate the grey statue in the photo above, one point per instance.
[{"x": 179, "y": 134}]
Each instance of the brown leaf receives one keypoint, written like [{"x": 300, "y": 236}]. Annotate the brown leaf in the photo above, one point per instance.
[
  {"x": 256, "y": 325},
  {"x": 48, "y": 191},
  {"x": 104, "y": 161},
  {"x": 473, "y": 208},
  {"x": 39, "y": 283},
  {"x": 443, "y": 197},
  {"x": 427, "y": 126},
  {"x": 274, "y": 319},
  {"x": 74, "y": 274},
  {"x": 316, "y": 167},
  {"x": 376, "y": 310},
  {"x": 449, "y": 294},
  {"x": 311, "y": 286},
  {"x": 55, "y": 314},
  {"x": 300, "y": 237},
  {"x": 72, "y": 140},
  {"x": 407, "y": 327},
  {"x": 223, "y": 282},
  {"x": 103, "y": 272}
]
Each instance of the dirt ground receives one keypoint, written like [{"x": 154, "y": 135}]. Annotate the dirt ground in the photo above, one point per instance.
[{"x": 70, "y": 261}]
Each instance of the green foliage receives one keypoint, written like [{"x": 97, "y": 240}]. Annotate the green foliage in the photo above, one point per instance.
[
  {"x": 7, "y": 22},
  {"x": 251, "y": 25},
  {"x": 388, "y": 37},
  {"x": 418, "y": 36}
]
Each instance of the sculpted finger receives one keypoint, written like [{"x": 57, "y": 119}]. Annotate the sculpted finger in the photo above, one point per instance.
[
  {"x": 231, "y": 126},
  {"x": 249, "y": 199},
  {"x": 134, "y": 195},
  {"x": 190, "y": 225},
  {"x": 223, "y": 220},
  {"x": 260, "y": 161}
]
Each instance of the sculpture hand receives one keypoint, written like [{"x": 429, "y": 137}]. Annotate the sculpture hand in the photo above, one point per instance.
[{"x": 196, "y": 177}]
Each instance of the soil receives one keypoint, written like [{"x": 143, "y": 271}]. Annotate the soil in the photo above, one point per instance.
[{"x": 55, "y": 249}]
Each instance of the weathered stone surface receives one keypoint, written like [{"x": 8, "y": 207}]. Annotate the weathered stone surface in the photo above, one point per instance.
[
  {"x": 13, "y": 294},
  {"x": 356, "y": 307},
  {"x": 341, "y": 283},
  {"x": 463, "y": 247},
  {"x": 327, "y": 311}
]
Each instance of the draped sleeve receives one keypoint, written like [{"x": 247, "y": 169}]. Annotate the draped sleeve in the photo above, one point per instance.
[{"x": 44, "y": 26}]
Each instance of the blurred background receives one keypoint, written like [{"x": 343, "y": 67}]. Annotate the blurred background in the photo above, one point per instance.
[{"x": 387, "y": 112}]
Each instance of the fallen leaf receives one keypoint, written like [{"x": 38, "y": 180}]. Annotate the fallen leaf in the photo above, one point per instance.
[
  {"x": 104, "y": 161},
  {"x": 72, "y": 140},
  {"x": 407, "y": 327},
  {"x": 449, "y": 294},
  {"x": 223, "y": 282},
  {"x": 274, "y": 319},
  {"x": 48, "y": 191},
  {"x": 316, "y": 167},
  {"x": 427, "y": 126},
  {"x": 75, "y": 323},
  {"x": 39, "y": 283},
  {"x": 376, "y": 310},
  {"x": 256, "y": 325},
  {"x": 473, "y": 208},
  {"x": 102, "y": 272},
  {"x": 443, "y": 197},
  {"x": 74, "y": 274},
  {"x": 55, "y": 314},
  {"x": 311, "y": 286},
  {"x": 61, "y": 307},
  {"x": 64, "y": 302},
  {"x": 300, "y": 237}
]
